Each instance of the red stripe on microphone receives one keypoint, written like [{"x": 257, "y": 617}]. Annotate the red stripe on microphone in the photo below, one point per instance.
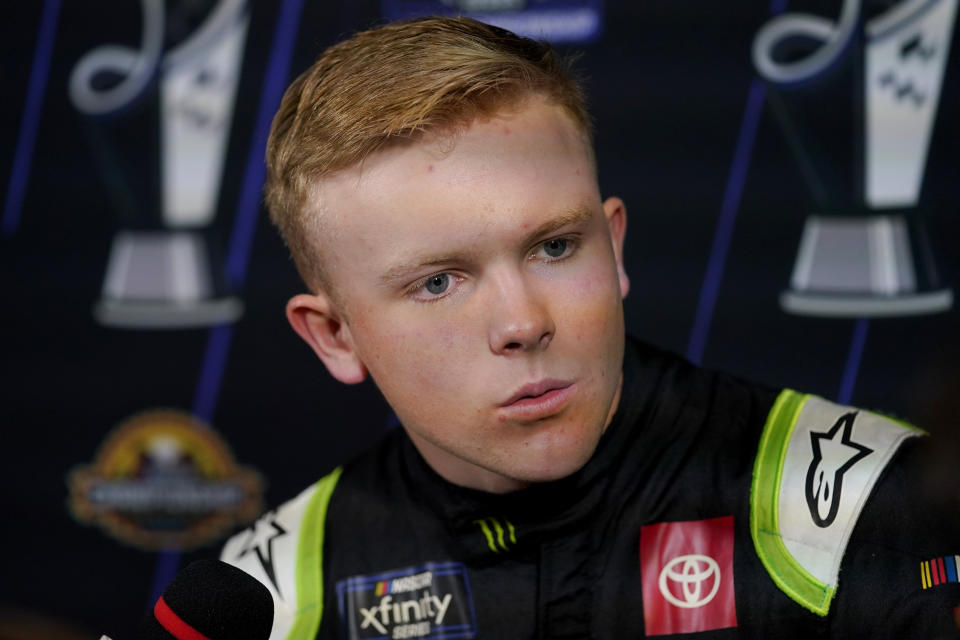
[{"x": 175, "y": 624}]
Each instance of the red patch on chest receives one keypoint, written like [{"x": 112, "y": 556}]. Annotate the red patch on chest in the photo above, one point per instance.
[{"x": 687, "y": 574}]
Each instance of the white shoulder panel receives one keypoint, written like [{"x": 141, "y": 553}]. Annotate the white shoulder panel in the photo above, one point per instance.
[
  {"x": 834, "y": 458},
  {"x": 267, "y": 550},
  {"x": 816, "y": 468}
]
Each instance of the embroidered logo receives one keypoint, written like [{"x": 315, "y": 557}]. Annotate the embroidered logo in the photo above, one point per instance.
[
  {"x": 687, "y": 574},
  {"x": 940, "y": 571},
  {"x": 429, "y": 601},
  {"x": 690, "y": 574},
  {"x": 834, "y": 452},
  {"x": 499, "y": 536}
]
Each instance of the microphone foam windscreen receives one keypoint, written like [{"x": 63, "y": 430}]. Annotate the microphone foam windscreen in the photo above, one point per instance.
[{"x": 213, "y": 600}]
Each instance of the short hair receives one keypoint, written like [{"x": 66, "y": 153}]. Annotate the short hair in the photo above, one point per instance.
[{"x": 390, "y": 84}]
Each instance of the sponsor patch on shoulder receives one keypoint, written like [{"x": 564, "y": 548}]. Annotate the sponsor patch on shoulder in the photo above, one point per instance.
[
  {"x": 428, "y": 601},
  {"x": 817, "y": 464}
]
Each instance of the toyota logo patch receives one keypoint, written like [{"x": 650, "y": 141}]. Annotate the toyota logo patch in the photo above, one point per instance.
[
  {"x": 687, "y": 573},
  {"x": 696, "y": 577}
]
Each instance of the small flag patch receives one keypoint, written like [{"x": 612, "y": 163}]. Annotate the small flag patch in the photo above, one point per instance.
[{"x": 939, "y": 571}]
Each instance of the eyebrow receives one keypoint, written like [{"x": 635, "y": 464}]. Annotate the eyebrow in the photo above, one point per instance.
[{"x": 571, "y": 217}]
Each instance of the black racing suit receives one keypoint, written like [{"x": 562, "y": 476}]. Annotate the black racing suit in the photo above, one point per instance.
[{"x": 668, "y": 529}]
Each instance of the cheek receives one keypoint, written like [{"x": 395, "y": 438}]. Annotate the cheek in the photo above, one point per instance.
[
  {"x": 594, "y": 284},
  {"x": 420, "y": 357},
  {"x": 595, "y": 299}
]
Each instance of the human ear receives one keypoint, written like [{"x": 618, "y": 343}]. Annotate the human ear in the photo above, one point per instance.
[
  {"x": 616, "y": 214},
  {"x": 315, "y": 319}
]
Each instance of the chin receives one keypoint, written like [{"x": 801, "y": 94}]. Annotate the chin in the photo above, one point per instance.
[{"x": 554, "y": 465}]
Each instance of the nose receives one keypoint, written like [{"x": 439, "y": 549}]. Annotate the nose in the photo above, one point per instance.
[{"x": 520, "y": 320}]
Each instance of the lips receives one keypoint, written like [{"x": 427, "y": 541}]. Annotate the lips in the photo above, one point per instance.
[{"x": 538, "y": 400}]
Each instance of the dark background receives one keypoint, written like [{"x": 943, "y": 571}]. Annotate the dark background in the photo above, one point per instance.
[{"x": 668, "y": 84}]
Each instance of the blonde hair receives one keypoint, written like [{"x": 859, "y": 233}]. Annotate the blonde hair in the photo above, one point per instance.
[{"x": 394, "y": 83}]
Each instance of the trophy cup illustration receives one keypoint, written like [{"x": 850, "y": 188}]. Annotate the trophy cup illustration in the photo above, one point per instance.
[
  {"x": 163, "y": 269},
  {"x": 865, "y": 251}
]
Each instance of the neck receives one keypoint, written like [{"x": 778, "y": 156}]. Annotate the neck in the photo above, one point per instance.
[{"x": 464, "y": 473}]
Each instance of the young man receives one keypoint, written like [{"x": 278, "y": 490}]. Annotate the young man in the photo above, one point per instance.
[{"x": 436, "y": 184}]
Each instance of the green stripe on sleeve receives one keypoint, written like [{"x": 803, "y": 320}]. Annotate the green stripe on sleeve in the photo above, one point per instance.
[
  {"x": 792, "y": 579},
  {"x": 310, "y": 560}
]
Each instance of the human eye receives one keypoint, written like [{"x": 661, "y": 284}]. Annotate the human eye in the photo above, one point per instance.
[
  {"x": 555, "y": 249},
  {"x": 433, "y": 287}
]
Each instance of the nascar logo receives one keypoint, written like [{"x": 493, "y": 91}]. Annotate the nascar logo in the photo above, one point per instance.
[{"x": 402, "y": 585}]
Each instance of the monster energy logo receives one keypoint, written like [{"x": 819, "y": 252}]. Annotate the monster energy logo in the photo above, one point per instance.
[{"x": 498, "y": 538}]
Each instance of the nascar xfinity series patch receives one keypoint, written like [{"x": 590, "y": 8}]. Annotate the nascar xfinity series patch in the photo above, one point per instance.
[{"x": 428, "y": 601}]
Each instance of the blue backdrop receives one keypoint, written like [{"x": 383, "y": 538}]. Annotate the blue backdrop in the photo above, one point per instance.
[{"x": 685, "y": 135}]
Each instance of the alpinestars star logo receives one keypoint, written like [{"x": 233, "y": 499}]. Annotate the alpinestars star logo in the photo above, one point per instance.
[
  {"x": 834, "y": 453},
  {"x": 259, "y": 540}
]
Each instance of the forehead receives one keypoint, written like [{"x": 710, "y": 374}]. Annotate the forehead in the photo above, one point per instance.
[{"x": 496, "y": 176}]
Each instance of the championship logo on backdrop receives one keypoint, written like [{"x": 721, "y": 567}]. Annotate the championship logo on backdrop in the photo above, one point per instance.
[
  {"x": 559, "y": 21},
  {"x": 164, "y": 480},
  {"x": 864, "y": 250},
  {"x": 165, "y": 269}
]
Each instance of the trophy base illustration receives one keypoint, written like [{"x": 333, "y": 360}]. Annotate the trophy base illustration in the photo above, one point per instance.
[
  {"x": 864, "y": 266},
  {"x": 163, "y": 280}
]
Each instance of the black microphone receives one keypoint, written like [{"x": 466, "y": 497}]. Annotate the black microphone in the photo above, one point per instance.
[{"x": 211, "y": 600}]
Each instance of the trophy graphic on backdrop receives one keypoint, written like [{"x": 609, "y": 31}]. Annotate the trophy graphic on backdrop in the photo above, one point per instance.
[
  {"x": 163, "y": 270},
  {"x": 865, "y": 252}
]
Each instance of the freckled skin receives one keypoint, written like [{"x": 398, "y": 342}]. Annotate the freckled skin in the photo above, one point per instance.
[{"x": 511, "y": 314}]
